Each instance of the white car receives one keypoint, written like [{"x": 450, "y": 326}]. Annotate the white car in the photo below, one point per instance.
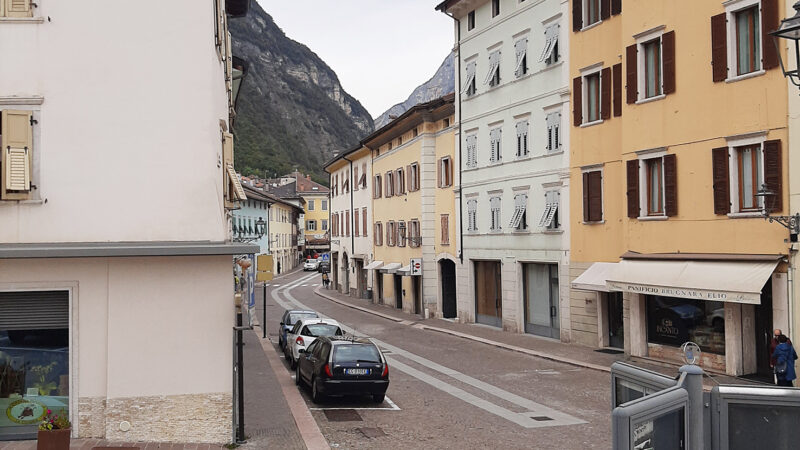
[
  {"x": 305, "y": 331},
  {"x": 311, "y": 264}
]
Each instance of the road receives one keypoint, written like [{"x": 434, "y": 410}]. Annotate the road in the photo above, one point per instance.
[{"x": 448, "y": 392}]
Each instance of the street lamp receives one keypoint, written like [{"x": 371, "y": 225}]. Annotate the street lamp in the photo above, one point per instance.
[
  {"x": 790, "y": 30},
  {"x": 791, "y": 223}
]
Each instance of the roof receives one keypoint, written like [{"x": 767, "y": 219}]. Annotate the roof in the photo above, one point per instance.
[
  {"x": 416, "y": 109},
  {"x": 257, "y": 194},
  {"x": 119, "y": 249},
  {"x": 702, "y": 256},
  {"x": 307, "y": 185},
  {"x": 341, "y": 156}
]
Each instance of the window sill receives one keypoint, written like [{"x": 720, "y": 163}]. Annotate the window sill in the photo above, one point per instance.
[
  {"x": 21, "y": 19},
  {"x": 557, "y": 231},
  {"x": 500, "y": 231},
  {"x": 599, "y": 222},
  {"x": 746, "y": 215},
  {"x": 591, "y": 124},
  {"x": 589, "y": 27},
  {"x": 651, "y": 218},
  {"x": 515, "y": 231},
  {"x": 651, "y": 99},
  {"x": 745, "y": 76},
  {"x": 550, "y": 66},
  {"x": 524, "y": 157}
]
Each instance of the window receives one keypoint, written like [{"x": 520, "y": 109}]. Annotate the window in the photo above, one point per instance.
[
  {"x": 345, "y": 183},
  {"x": 400, "y": 179},
  {"x": 377, "y": 187},
  {"x": 445, "y": 229},
  {"x": 390, "y": 234},
  {"x": 415, "y": 239},
  {"x": 750, "y": 176},
  {"x": 335, "y": 188},
  {"x": 521, "y": 51},
  {"x": 549, "y": 218},
  {"x": 553, "y": 131},
  {"x": 324, "y": 205},
  {"x": 592, "y": 97},
  {"x": 471, "y": 20},
  {"x": 413, "y": 177},
  {"x": 415, "y": 132},
  {"x": 493, "y": 75},
  {"x": 740, "y": 170},
  {"x": 22, "y": 8},
  {"x": 472, "y": 150},
  {"x": 673, "y": 321},
  {"x": 495, "y": 8},
  {"x": 364, "y": 220},
  {"x": 356, "y": 223},
  {"x": 16, "y": 161},
  {"x": 591, "y": 12},
  {"x": 400, "y": 141},
  {"x": 347, "y": 223},
  {"x": 311, "y": 225},
  {"x": 469, "y": 87},
  {"x": 519, "y": 220},
  {"x": 324, "y": 224},
  {"x": 652, "y": 67},
  {"x": 593, "y": 196},
  {"x": 445, "y": 172},
  {"x": 495, "y": 137},
  {"x": 378, "y": 236},
  {"x": 401, "y": 234},
  {"x": 446, "y": 122},
  {"x": 389, "y": 181},
  {"x": 472, "y": 215},
  {"x": 311, "y": 205},
  {"x": 654, "y": 179},
  {"x": 363, "y": 180},
  {"x": 550, "y": 51},
  {"x": 494, "y": 207},
  {"x": 748, "y": 45},
  {"x": 522, "y": 138},
  {"x": 355, "y": 178}
]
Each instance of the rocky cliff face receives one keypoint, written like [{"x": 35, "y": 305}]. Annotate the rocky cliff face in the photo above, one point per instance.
[
  {"x": 292, "y": 110},
  {"x": 441, "y": 84}
]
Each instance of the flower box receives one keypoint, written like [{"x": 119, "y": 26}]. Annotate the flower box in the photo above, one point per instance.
[{"x": 53, "y": 439}]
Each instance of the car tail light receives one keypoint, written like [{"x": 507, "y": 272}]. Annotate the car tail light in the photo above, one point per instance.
[
  {"x": 385, "y": 370},
  {"x": 299, "y": 341},
  {"x": 328, "y": 370}
]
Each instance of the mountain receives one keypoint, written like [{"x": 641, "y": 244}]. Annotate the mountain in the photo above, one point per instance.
[
  {"x": 441, "y": 84},
  {"x": 292, "y": 112}
]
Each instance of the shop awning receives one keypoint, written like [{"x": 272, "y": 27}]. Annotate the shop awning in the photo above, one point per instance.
[
  {"x": 390, "y": 268},
  {"x": 594, "y": 278},
  {"x": 725, "y": 281},
  {"x": 374, "y": 265},
  {"x": 405, "y": 270}
]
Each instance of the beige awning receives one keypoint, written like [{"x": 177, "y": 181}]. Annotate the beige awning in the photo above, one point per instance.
[
  {"x": 725, "y": 281},
  {"x": 594, "y": 278},
  {"x": 374, "y": 265},
  {"x": 405, "y": 270},
  {"x": 390, "y": 268}
]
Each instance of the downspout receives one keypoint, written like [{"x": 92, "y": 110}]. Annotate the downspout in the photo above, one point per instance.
[{"x": 460, "y": 159}]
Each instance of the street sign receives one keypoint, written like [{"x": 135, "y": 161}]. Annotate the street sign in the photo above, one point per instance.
[
  {"x": 325, "y": 257},
  {"x": 416, "y": 266}
]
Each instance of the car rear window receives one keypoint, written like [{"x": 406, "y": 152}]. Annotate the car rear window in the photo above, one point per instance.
[
  {"x": 323, "y": 329},
  {"x": 294, "y": 317},
  {"x": 354, "y": 352}
]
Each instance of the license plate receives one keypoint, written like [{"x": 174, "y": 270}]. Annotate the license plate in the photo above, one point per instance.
[{"x": 356, "y": 371}]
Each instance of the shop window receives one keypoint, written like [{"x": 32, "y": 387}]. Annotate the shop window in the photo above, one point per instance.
[{"x": 674, "y": 321}]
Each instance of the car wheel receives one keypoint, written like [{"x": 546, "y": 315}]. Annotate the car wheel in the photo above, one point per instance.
[
  {"x": 316, "y": 395},
  {"x": 297, "y": 380},
  {"x": 292, "y": 361},
  {"x": 378, "y": 398}
]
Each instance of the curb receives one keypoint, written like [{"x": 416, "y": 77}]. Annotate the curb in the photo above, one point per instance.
[{"x": 502, "y": 345}]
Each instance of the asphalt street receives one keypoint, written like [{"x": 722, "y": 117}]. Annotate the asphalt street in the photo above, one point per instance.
[{"x": 448, "y": 392}]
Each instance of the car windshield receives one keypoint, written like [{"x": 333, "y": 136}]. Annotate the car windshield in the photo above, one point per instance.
[
  {"x": 356, "y": 352},
  {"x": 294, "y": 317},
  {"x": 323, "y": 329}
]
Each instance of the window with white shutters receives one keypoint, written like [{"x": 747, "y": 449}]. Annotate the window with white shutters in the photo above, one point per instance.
[
  {"x": 522, "y": 138},
  {"x": 550, "y": 51},
  {"x": 16, "y": 135},
  {"x": 16, "y": 8},
  {"x": 472, "y": 215},
  {"x": 549, "y": 218},
  {"x": 472, "y": 151},
  {"x": 494, "y": 207},
  {"x": 469, "y": 85},
  {"x": 521, "y": 51},
  {"x": 495, "y": 137},
  {"x": 553, "y": 131},
  {"x": 519, "y": 220},
  {"x": 493, "y": 75}
]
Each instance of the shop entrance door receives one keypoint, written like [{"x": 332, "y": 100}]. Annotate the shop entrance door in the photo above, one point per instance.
[
  {"x": 764, "y": 330},
  {"x": 415, "y": 286},
  {"x": 379, "y": 286},
  {"x": 616, "y": 330},
  {"x": 361, "y": 277},
  {"x": 398, "y": 291},
  {"x": 346, "y": 269},
  {"x": 541, "y": 299},
  {"x": 448, "y": 269},
  {"x": 488, "y": 293}
]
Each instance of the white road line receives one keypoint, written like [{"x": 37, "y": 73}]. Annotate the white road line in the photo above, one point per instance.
[{"x": 392, "y": 407}]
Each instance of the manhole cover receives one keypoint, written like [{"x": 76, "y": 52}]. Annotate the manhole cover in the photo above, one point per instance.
[
  {"x": 541, "y": 418},
  {"x": 372, "y": 432},
  {"x": 342, "y": 415}
]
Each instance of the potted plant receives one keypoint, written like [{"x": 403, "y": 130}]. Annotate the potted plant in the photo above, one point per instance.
[{"x": 54, "y": 431}]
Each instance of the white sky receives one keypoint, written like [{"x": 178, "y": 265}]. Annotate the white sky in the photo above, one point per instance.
[{"x": 380, "y": 49}]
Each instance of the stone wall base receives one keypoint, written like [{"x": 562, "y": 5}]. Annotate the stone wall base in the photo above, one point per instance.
[
  {"x": 674, "y": 354},
  {"x": 197, "y": 418}
]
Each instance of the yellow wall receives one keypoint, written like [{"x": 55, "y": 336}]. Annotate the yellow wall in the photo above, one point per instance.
[
  {"x": 279, "y": 227},
  {"x": 445, "y": 198},
  {"x": 318, "y": 213},
  {"x": 689, "y": 123}
]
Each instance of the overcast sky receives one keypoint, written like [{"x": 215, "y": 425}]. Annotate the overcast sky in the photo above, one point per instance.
[{"x": 380, "y": 49}]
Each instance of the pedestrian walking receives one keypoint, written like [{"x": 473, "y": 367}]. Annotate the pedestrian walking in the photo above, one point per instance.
[
  {"x": 325, "y": 280},
  {"x": 784, "y": 356},
  {"x": 772, "y": 346}
]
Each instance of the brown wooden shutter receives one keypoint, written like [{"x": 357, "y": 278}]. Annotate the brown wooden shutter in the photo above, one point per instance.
[
  {"x": 773, "y": 175},
  {"x": 605, "y": 9},
  {"x": 577, "y": 15},
  {"x": 633, "y": 188},
  {"x": 439, "y": 172},
  {"x": 595, "y": 196},
  {"x": 605, "y": 93},
  {"x": 577, "y": 112},
  {"x": 632, "y": 78},
  {"x": 719, "y": 48},
  {"x": 668, "y": 61},
  {"x": 720, "y": 180},
  {"x": 416, "y": 177},
  {"x": 616, "y": 7},
  {"x": 586, "y": 196},
  {"x": 617, "y": 81},
  {"x": 670, "y": 185},
  {"x": 364, "y": 220},
  {"x": 769, "y": 22},
  {"x": 450, "y": 171},
  {"x": 409, "y": 184}
]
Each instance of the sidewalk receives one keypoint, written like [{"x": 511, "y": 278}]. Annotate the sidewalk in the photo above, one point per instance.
[{"x": 573, "y": 354}]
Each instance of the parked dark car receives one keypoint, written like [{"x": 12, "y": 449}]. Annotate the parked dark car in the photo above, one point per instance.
[
  {"x": 288, "y": 320},
  {"x": 343, "y": 366}
]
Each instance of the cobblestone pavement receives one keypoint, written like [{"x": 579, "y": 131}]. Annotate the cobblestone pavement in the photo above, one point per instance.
[{"x": 450, "y": 392}]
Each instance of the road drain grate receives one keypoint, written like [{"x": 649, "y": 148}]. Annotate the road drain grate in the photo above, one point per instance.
[
  {"x": 541, "y": 418},
  {"x": 372, "y": 432},
  {"x": 342, "y": 415}
]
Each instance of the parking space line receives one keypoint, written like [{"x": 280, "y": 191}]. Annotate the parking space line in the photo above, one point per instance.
[{"x": 392, "y": 407}]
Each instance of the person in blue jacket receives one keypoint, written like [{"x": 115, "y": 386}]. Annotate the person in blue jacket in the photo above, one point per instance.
[{"x": 785, "y": 357}]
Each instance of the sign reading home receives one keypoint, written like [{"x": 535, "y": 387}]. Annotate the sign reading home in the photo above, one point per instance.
[{"x": 695, "y": 294}]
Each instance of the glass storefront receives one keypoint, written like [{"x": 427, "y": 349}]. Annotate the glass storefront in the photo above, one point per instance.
[
  {"x": 674, "y": 321},
  {"x": 34, "y": 360}
]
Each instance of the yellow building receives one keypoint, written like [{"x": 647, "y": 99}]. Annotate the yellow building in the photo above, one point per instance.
[
  {"x": 316, "y": 214},
  {"x": 678, "y": 120},
  {"x": 413, "y": 210}
]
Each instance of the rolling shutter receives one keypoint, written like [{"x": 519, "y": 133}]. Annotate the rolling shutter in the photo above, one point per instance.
[
  {"x": 577, "y": 112},
  {"x": 577, "y": 15},
  {"x": 605, "y": 93},
  {"x": 721, "y": 182},
  {"x": 773, "y": 176},
  {"x": 632, "y": 79},
  {"x": 617, "y": 81},
  {"x": 769, "y": 22},
  {"x": 719, "y": 48},
  {"x": 633, "y": 188},
  {"x": 34, "y": 310},
  {"x": 668, "y": 61},
  {"x": 670, "y": 185}
]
